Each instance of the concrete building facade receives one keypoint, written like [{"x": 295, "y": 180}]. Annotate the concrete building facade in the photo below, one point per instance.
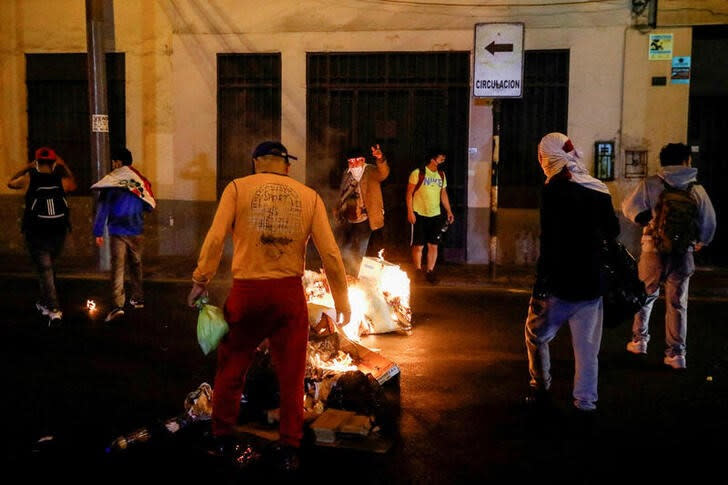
[{"x": 171, "y": 108}]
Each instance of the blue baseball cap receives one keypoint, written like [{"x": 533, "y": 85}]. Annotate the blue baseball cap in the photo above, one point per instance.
[{"x": 272, "y": 148}]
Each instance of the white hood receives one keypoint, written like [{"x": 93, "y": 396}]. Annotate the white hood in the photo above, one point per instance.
[{"x": 678, "y": 175}]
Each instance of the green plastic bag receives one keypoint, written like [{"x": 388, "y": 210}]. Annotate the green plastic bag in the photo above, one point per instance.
[{"x": 211, "y": 325}]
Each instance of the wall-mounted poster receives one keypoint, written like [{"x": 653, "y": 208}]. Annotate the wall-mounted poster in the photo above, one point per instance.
[
  {"x": 635, "y": 163},
  {"x": 680, "y": 70},
  {"x": 660, "y": 47}
]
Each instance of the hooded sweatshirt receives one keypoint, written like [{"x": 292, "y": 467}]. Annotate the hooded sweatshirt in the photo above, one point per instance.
[{"x": 639, "y": 206}]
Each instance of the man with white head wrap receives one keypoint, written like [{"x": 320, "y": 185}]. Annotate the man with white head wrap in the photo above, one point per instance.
[{"x": 576, "y": 217}]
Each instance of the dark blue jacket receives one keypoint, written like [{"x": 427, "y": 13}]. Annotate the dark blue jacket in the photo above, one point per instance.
[{"x": 122, "y": 211}]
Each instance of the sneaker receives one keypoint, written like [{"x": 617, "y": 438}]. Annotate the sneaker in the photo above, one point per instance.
[
  {"x": 676, "y": 361},
  {"x": 284, "y": 458},
  {"x": 638, "y": 348},
  {"x": 55, "y": 318},
  {"x": 42, "y": 308},
  {"x": 136, "y": 304},
  {"x": 432, "y": 278},
  {"x": 242, "y": 454},
  {"x": 585, "y": 406},
  {"x": 538, "y": 398},
  {"x": 114, "y": 314}
]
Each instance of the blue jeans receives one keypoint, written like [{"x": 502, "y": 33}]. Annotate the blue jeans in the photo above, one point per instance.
[
  {"x": 44, "y": 249},
  {"x": 674, "y": 271}
]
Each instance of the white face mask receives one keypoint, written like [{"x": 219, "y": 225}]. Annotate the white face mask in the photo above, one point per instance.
[{"x": 357, "y": 172}]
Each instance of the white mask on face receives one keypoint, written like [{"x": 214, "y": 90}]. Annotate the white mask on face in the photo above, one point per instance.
[{"x": 357, "y": 172}]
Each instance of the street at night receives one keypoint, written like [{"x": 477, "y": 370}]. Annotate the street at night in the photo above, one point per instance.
[
  {"x": 461, "y": 415},
  {"x": 364, "y": 241}
]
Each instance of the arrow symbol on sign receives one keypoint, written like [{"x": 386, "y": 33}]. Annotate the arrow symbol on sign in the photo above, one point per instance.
[{"x": 493, "y": 48}]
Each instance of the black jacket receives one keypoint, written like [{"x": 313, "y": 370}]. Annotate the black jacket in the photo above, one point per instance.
[{"x": 575, "y": 221}]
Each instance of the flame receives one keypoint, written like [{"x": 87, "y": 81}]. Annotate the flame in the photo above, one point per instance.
[
  {"x": 341, "y": 363},
  {"x": 380, "y": 254},
  {"x": 359, "y": 308},
  {"x": 395, "y": 283},
  {"x": 91, "y": 306}
]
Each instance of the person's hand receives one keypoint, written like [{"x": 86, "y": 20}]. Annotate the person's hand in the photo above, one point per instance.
[
  {"x": 377, "y": 152},
  {"x": 344, "y": 318},
  {"x": 698, "y": 246},
  {"x": 100, "y": 241},
  {"x": 411, "y": 217},
  {"x": 450, "y": 218},
  {"x": 196, "y": 292},
  {"x": 60, "y": 161}
]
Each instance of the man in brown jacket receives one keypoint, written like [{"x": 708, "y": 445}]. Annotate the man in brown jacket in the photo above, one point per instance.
[
  {"x": 271, "y": 217},
  {"x": 360, "y": 209}
]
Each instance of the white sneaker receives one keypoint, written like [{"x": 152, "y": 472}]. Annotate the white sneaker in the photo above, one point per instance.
[
  {"x": 114, "y": 314},
  {"x": 639, "y": 347},
  {"x": 55, "y": 318},
  {"x": 676, "y": 361},
  {"x": 42, "y": 308}
]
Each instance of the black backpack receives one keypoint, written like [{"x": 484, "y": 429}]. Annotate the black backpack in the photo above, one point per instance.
[{"x": 46, "y": 206}]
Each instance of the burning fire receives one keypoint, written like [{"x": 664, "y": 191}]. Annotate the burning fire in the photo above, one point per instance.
[
  {"x": 91, "y": 306},
  {"x": 379, "y": 299},
  {"x": 341, "y": 363},
  {"x": 359, "y": 308}
]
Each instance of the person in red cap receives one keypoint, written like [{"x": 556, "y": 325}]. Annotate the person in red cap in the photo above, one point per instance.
[
  {"x": 46, "y": 221},
  {"x": 271, "y": 218}
]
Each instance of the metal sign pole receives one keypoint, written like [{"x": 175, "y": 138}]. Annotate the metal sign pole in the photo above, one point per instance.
[
  {"x": 494, "y": 189},
  {"x": 497, "y": 73},
  {"x": 97, "y": 103}
]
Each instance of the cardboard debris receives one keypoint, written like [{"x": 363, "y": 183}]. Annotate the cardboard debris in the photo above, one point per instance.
[
  {"x": 336, "y": 423},
  {"x": 368, "y": 361},
  {"x": 326, "y": 426}
]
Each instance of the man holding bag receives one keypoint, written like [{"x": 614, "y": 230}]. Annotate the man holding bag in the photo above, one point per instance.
[
  {"x": 576, "y": 217},
  {"x": 271, "y": 217}
]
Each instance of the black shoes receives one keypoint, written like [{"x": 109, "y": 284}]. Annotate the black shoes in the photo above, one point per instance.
[
  {"x": 242, "y": 454},
  {"x": 538, "y": 398},
  {"x": 432, "y": 278},
  {"x": 284, "y": 458},
  {"x": 250, "y": 454}
]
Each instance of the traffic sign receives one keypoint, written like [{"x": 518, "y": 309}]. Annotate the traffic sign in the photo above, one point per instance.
[{"x": 498, "y": 60}]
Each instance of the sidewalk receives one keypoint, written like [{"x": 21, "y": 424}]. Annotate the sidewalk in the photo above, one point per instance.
[{"x": 707, "y": 282}]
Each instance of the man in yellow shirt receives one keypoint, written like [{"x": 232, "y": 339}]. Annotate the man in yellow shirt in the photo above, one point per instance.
[
  {"x": 426, "y": 191},
  {"x": 271, "y": 217}
]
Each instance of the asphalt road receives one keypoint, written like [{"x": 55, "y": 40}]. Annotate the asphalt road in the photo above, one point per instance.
[{"x": 461, "y": 417}]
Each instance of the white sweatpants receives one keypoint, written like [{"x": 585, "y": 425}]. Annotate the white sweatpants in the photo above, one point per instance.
[{"x": 585, "y": 323}]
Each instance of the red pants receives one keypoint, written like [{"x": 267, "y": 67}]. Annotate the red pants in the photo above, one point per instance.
[{"x": 255, "y": 310}]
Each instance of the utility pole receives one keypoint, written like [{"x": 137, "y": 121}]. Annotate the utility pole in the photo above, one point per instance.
[
  {"x": 493, "y": 246},
  {"x": 98, "y": 104}
]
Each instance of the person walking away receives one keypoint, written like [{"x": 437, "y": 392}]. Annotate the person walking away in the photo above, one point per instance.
[
  {"x": 360, "y": 209},
  {"x": 271, "y": 218},
  {"x": 577, "y": 216},
  {"x": 426, "y": 192},
  {"x": 678, "y": 218},
  {"x": 125, "y": 195},
  {"x": 46, "y": 221}
]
